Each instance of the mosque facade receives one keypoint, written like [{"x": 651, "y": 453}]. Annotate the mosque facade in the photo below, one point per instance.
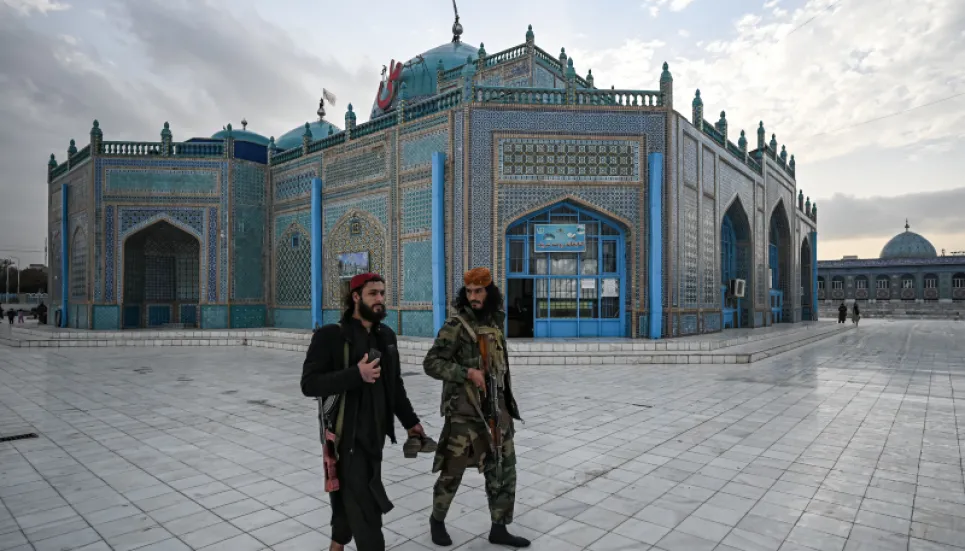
[
  {"x": 908, "y": 279},
  {"x": 601, "y": 212}
]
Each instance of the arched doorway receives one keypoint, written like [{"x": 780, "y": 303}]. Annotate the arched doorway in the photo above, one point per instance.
[
  {"x": 735, "y": 260},
  {"x": 162, "y": 277},
  {"x": 566, "y": 275},
  {"x": 806, "y": 286},
  {"x": 779, "y": 264}
]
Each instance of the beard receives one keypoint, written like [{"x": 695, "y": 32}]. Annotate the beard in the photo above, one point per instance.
[{"x": 371, "y": 314}]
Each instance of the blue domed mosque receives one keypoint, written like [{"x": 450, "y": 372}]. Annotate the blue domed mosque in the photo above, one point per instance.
[
  {"x": 908, "y": 279},
  {"x": 601, "y": 211}
]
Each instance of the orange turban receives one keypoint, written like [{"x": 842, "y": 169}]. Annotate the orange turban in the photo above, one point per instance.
[{"x": 478, "y": 276}]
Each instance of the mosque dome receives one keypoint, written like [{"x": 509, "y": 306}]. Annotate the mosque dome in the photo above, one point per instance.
[
  {"x": 419, "y": 73},
  {"x": 243, "y": 135},
  {"x": 908, "y": 244},
  {"x": 293, "y": 138}
]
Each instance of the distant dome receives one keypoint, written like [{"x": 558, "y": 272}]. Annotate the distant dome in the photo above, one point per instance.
[
  {"x": 908, "y": 244},
  {"x": 293, "y": 138},
  {"x": 419, "y": 75},
  {"x": 241, "y": 136}
]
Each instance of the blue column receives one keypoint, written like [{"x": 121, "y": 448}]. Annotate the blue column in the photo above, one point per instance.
[
  {"x": 814, "y": 275},
  {"x": 655, "y": 246},
  {"x": 316, "y": 253},
  {"x": 438, "y": 240},
  {"x": 64, "y": 254}
]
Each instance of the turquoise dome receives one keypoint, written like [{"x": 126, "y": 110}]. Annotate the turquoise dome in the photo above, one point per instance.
[
  {"x": 241, "y": 136},
  {"x": 419, "y": 75},
  {"x": 908, "y": 245},
  {"x": 293, "y": 138}
]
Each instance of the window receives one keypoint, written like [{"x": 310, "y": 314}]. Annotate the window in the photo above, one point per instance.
[
  {"x": 907, "y": 283},
  {"x": 295, "y": 240},
  {"x": 861, "y": 283},
  {"x": 882, "y": 283},
  {"x": 820, "y": 283},
  {"x": 837, "y": 284},
  {"x": 931, "y": 282},
  {"x": 958, "y": 282}
]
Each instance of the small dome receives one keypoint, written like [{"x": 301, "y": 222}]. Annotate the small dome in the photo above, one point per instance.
[
  {"x": 419, "y": 74},
  {"x": 241, "y": 136},
  {"x": 293, "y": 138},
  {"x": 908, "y": 244}
]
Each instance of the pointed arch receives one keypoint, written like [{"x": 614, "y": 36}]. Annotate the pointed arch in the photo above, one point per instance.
[
  {"x": 807, "y": 292},
  {"x": 736, "y": 260},
  {"x": 780, "y": 264}
]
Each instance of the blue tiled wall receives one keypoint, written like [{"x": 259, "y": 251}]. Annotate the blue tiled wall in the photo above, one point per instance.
[
  {"x": 418, "y": 152},
  {"x": 292, "y": 318},
  {"x": 392, "y": 319},
  {"x": 106, "y": 317},
  {"x": 416, "y": 210},
  {"x": 417, "y": 323},
  {"x": 248, "y": 231},
  {"x": 331, "y": 316},
  {"x": 417, "y": 271},
  {"x": 247, "y": 315},
  {"x": 162, "y": 181},
  {"x": 214, "y": 316}
]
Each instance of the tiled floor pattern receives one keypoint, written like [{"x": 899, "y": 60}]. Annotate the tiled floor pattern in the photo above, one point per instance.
[{"x": 850, "y": 444}]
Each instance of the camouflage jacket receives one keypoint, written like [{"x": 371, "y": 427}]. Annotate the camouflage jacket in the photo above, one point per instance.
[{"x": 452, "y": 355}]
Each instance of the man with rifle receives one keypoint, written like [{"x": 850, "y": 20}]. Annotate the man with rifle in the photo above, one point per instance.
[{"x": 469, "y": 356}]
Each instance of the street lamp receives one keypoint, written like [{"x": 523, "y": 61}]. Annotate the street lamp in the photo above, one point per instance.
[{"x": 18, "y": 275}]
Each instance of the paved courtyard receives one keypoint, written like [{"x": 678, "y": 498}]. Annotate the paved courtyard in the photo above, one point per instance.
[{"x": 851, "y": 443}]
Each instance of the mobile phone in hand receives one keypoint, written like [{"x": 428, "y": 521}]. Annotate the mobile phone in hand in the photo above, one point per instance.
[{"x": 374, "y": 354}]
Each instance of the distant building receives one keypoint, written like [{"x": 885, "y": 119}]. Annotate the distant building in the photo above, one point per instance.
[{"x": 909, "y": 279}]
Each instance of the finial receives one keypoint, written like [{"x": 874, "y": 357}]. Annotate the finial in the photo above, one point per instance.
[
  {"x": 907, "y": 227},
  {"x": 52, "y": 163},
  {"x": 271, "y": 144},
  {"x": 570, "y": 71},
  {"x": 530, "y": 37},
  {"x": 665, "y": 76},
  {"x": 167, "y": 125},
  {"x": 331, "y": 130},
  {"x": 723, "y": 115},
  {"x": 72, "y": 149},
  {"x": 563, "y": 57},
  {"x": 308, "y": 131},
  {"x": 321, "y": 108},
  {"x": 697, "y": 100},
  {"x": 742, "y": 142},
  {"x": 482, "y": 50},
  {"x": 589, "y": 77},
  {"x": 244, "y": 124},
  {"x": 773, "y": 143},
  {"x": 403, "y": 94},
  {"x": 791, "y": 163},
  {"x": 96, "y": 129},
  {"x": 456, "y": 26},
  {"x": 228, "y": 128}
]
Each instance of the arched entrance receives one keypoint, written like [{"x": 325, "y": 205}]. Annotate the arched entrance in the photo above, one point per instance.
[
  {"x": 566, "y": 275},
  {"x": 806, "y": 290},
  {"x": 162, "y": 277},
  {"x": 779, "y": 264},
  {"x": 735, "y": 261}
]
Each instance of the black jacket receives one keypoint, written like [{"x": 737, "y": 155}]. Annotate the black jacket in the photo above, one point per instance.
[{"x": 323, "y": 374}]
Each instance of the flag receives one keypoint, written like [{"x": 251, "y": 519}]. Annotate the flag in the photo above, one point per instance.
[{"x": 329, "y": 97}]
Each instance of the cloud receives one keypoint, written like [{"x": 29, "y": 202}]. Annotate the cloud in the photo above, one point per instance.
[
  {"x": 814, "y": 73},
  {"x": 654, "y": 6},
  {"x": 198, "y": 65},
  {"x": 848, "y": 217},
  {"x": 43, "y": 7}
]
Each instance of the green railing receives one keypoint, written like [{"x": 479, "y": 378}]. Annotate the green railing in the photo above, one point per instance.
[
  {"x": 442, "y": 102},
  {"x": 325, "y": 143},
  {"x": 80, "y": 156},
  {"x": 197, "y": 149},
  {"x": 286, "y": 156},
  {"x": 61, "y": 169},
  {"x": 542, "y": 55},
  {"x": 516, "y": 52},
  {"x": 376, "y": 125},
  {"x": 523, "y": 96},
  {"x": 624, "y": 98}
]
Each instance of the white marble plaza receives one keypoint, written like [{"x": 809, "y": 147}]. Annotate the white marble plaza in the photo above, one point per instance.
[{"x": 851, "y": 443}]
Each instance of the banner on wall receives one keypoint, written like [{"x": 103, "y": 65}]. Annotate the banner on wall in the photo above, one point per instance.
[
  {"x": 352, "y": 264},
  {"x": 560, "y": 238}
]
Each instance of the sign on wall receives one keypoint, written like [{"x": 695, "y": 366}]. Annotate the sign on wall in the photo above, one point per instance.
[
  {"x": 560, "y": 238},
  {"x": 352, "y": 264}
]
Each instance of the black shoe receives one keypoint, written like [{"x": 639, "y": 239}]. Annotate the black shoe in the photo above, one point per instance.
[
  {"x": 439, "y": 534},
  {"x": 500, "y": 536}
]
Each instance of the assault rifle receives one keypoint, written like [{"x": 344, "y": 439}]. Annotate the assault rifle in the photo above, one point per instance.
[{"x": 492, "y": 411}]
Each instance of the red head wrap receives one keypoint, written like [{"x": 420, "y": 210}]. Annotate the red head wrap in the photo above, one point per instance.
[
  {"x": 478, "y": 276},
  {"x": 361, "y": 279}
]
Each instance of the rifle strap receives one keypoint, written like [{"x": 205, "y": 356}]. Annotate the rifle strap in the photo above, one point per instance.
[{"x": 468, "y": 327}]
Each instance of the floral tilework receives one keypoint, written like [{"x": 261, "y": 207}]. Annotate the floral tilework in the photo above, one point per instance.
[
  {"x": 295, "y": 185},
  {"x": 366, "y": 164},
  {"x": 416, "y": 210},
  {"x": 424, "y": 124},
  {"x": 293, "y": 269},
  {"x": 709, "y": 171},
  {"x": 712, "y": 323},
  {"x": 569, "y": 160},
  {"x": 454, "y": 241},
  {"x": 690, "y": 160},
  {"x": 78, "y": 265},
  {"x": 301, "y": 217},
  {"x": 377, "y": 205},
  {"x": 732, "y": 181},
  {"x": 688, "y": 324},
  {"x": 710, "y": 252},
  {"x": 416, "y": 275},
  {"x": 143, "y": 180},
  {"x": 417, "y": 323},
  {"x": 418, "y": 151},
  {"x": 689, "y": 234},
  {"x": 370, "y": 238},
  {"x": 139, "y": 218}
]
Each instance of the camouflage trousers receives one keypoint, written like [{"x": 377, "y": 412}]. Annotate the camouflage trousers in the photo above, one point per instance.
[{"x": 465, "y": 443}]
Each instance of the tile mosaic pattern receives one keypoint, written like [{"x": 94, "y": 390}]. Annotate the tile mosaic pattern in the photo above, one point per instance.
[
  {"x": 456, "y": 241},
  {"x": 248, "y": 315},
  {"x": 292, "y": 318},
  {"x": 690, "y": 160},
  {"x": 293, "y": 272},
  {"x": 78, "y": 265},
  {"x": 568, "y": 160},
  {"x": 417, "y": 151},
  {"x": 417, "y": 272},
  {"x": 106, "y": 317},
  {"x": 249, "y": 223},
  {"x": 214, "y": 316},
  {"x": 416, "y": 210},
  {"x": 712, "y": 322},
  {"x": 213, "y": 225},
  {"x": 710, "y": 254},
  {"x": 424, "y": 124},
  {"x": 506, "y": 74},
  {"x": 417, "y": 323},
  {"x": 392, "y": 320},
  {"x": 371, "y": 238},
  {"x": 484, "y": 122},
  {"x": 544, "y": 78},
  {"x": 377, "y": 205},
  {"x": 733, "y": 182},
  {"x": 688, "y": 324},
  {"x": 688, "y": 239},
  {"x": 709, "y": 171},
  {"x": 362, "y": 165},
  {"x": 295, "y": 179},
  {"x": 175, "y": 182}
]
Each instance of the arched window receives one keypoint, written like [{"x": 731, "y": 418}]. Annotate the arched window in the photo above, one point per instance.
[
  {"x": 861, "y": 287},
  {"x": 930, "y": 287},
  {"x": 908, "y": 287},
  {"x": 883, "y": 288},
  {"x": 958, "y": 286}
]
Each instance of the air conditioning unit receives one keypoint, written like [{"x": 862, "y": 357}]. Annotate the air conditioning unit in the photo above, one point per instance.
[{"x": 736, "y": 287}]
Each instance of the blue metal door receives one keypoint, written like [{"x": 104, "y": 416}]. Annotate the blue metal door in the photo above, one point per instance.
[{"x": 158, "y": 314}]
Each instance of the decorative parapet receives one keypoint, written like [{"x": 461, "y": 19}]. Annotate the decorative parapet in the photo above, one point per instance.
[{"x": 753, "y": 159}]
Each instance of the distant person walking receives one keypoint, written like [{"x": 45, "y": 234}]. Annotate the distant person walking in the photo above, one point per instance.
[
  {"x": 842, "y": 313},
  {"x": 855, "y": 314}
]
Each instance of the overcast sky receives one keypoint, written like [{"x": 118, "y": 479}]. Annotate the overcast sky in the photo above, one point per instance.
[{"x": 817, "y": 72}]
